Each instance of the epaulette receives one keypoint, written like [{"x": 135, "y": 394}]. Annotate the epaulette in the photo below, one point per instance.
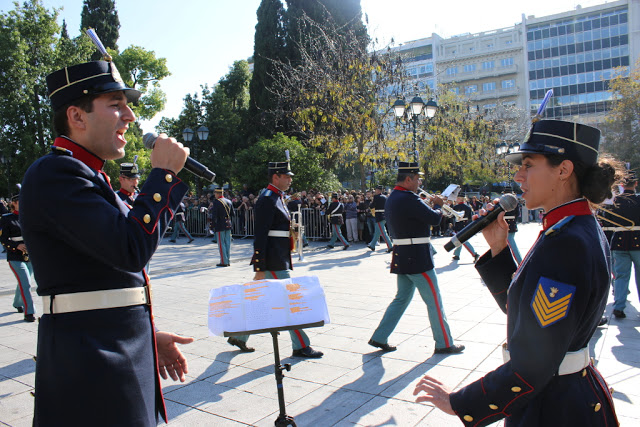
[
  {"x": 7, "y": 214},
  {"x": 559, "y": 225},
  {"x": 267, "y": 193},
  {"x": 60, "y": 150}
]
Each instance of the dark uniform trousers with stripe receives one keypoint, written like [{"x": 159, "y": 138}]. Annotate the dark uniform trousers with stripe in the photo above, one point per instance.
[
  {"x": 409, "y": 217},
  {"x": 95, "y": 367},
  {"x": 554, "y": 303},
  {"x": 272, "y": 254}
]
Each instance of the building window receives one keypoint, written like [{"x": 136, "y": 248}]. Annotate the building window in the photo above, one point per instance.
[
  {"x": 489, "y": 106},
  {"x": 489, "y": 87},
  {"x": 452, "y": 71},
  {"x": 488, "y": 65},
  {"x": 469, "y": 68},
  {"x": 455, "y": 90},
  {"x": 471, "y": 89},
  {"x": 506, "y": 84},
  {"x": 489, "y": 45},
  {"x": 506, "y": 62}
]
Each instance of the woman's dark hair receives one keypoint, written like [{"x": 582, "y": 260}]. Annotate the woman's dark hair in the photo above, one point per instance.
[
  {"x": 60, "y": 122},
  {"x": 594, "y": 182}
]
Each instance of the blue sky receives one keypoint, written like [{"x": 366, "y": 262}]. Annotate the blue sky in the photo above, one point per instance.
[{"x": 202, "y": 38}]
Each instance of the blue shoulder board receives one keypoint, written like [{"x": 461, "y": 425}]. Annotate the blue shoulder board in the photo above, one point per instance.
[
  {"x": 60, "y": 150},
  {"x": 267, "y": 193}
]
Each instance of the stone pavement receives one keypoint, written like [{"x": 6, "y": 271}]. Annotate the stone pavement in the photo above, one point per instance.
[{"x": 353, "y": 384}]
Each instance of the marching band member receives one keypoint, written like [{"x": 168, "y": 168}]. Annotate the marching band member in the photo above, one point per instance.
[
  {"x": 129, "y": 178},
  {"x": 378, "y": 205},
  {"x": 410, "y": 220},
  {"x": 461, "y": 206},
  {"x": 335, "y": 209}
]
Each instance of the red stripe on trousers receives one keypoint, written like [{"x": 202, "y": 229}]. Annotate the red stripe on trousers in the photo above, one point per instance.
[
  {"x": 435, "y": 298},
  {"x": 383, "y": 236},
  {"x": 467, "y": 248},
  {"x": 24, "y": 301},
  {"x": 338, "y": 234},
  {"x": 297, "y": 332},
  {"x": 220, "y": 248}
]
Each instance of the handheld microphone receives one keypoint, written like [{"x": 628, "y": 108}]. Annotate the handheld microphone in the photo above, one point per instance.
[
  {"x": 193, "y": 166},
  {"x": 508, "y": 202}
]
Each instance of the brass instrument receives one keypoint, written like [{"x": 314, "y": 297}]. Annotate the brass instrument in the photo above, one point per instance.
[
  {"x": 628, "y": 227},
  {"x": 297, "y": 231},
  {"x": 447, "y": 210}
]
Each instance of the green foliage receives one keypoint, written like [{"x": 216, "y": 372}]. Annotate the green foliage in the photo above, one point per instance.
[
  {"x": 621, "y": 132},
  {"x": 305, "y": 164},
  {"x": 30, "y": 48},
  {"x": 102, "y": 16},
  {"x": 141, "y": 70},
  {"x": 269, "y": 46}
]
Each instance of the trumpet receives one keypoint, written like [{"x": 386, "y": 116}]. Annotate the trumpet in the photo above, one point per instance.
[{"x": 447, "y": 210}]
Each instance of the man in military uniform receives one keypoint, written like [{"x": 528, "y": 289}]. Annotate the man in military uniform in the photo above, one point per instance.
[
  {"x": 336, "y": 220},
  {"x": 625, "y": 244},
  {"x": 97, "y": 344},
  {"x": 379, "y": 201},
  {"x": 129, "y": 178},
  {"x": 461, "y": 206},
  {"x": 272, "y": 248},
  {"x": 512, "y": 220},
  {"x": 18, "y": 259},
  {"x": 410, "y": 220},
  {"x": 221, "y": 216}
]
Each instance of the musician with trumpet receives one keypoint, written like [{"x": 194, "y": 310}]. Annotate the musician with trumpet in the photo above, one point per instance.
[
  {"x": 410, "y": 220},
  {"x": 625, "y": 243},
  {"x": 465, "y": 219}
]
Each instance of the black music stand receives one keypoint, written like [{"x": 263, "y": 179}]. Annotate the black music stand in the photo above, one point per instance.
[{"x": 283, "y": 419}]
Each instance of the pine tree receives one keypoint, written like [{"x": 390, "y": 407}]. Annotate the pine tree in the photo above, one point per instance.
[
  {"x": 268, "y": 49},
  {"x": 102, "y": 16}
]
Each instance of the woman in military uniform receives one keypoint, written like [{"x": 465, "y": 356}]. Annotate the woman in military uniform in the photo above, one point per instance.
[{"x": 555, "y": 298}]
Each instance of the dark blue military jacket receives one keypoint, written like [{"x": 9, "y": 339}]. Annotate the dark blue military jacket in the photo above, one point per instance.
[
  {"x": 9, "y": 232},
  {"x": 222, "y": 213},
  {"x": 126, "y": 197},
  {"x": 627, "y": 205},
  {"x": 83, "y": 238},
  {"x": 408, "y": 216},
  {"x": 271, "y": 253},
  {"x": 553, "y": 306},
  {"x": 378, "y": 203},
  {"x": 336, "y": 209},
  {"x": 468, "y": 215}
]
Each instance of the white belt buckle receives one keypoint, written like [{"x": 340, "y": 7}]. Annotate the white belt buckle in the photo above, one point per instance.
[{"x": 573, "y": 361}]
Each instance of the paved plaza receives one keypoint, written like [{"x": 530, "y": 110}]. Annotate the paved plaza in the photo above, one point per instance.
[{"x": 354, "y": 383}]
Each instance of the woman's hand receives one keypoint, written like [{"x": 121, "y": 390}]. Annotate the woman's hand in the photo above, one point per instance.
[{"x": 496, "y": 234}]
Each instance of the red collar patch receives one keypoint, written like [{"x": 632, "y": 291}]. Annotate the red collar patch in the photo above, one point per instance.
[
  {"x": 275, "y": 189},
  {"x": 80, "y": 153},
  {"x": 576, "y": 208},
  {"x": 399, "y": 187}
]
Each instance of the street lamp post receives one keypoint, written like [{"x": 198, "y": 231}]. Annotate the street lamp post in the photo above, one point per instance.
[
  {"x": 203, "y": 134},
  {"x": 502, "y": 149},
  {"x": 412, "y": 112}
]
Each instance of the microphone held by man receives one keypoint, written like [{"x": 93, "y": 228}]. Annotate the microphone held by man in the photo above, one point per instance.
[
  {"x": 191, "y": 165},
  {"x": 508, "y": 202}
]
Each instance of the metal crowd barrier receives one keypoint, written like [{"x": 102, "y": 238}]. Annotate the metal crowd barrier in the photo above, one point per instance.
[{"x": 242, "y": 224}]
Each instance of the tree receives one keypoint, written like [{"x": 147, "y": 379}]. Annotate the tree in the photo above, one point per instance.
[
  {"x": 305, "y": 164},
  {"x": 141, "y": 70},
  {"x": 269, "y": 46},
  {"x": 30, "y": 48},
  {"x": 621, "y": 132},
  {"x": 102, "y": 16}
]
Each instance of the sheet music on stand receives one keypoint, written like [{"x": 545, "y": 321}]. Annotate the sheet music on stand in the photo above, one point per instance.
[{"x": 266, "y": 304}]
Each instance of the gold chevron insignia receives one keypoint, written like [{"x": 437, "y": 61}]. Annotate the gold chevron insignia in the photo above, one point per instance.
[{"x": 549, "y": 310}]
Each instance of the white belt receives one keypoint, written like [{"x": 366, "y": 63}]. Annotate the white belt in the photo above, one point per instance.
[
  {"x": 17, "y": 239},
  {"x": 95, "y": 300},
  {"x": 411, "y": 241},
  {"x": 379, "y": 210},
  {"x": 574, "y": 361},
  {"x": 634, "y": 228},
  {"x": 509, "y": 217},
  {"x": 278, "y": 233}
]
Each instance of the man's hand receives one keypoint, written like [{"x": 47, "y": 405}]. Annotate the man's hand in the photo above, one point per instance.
[
  {"x": 171, "y": 362},
  {"x": 434, "y": 392},
  {"x": 260, "y": 275},
  {"x": 22, "y": 247},
  {"x": 168, "y": 154}
]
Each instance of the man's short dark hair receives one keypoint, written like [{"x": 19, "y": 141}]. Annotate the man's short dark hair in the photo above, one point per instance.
[
  {"x": 403, "y": 176},
  {"x": 60, "y": 122}
]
